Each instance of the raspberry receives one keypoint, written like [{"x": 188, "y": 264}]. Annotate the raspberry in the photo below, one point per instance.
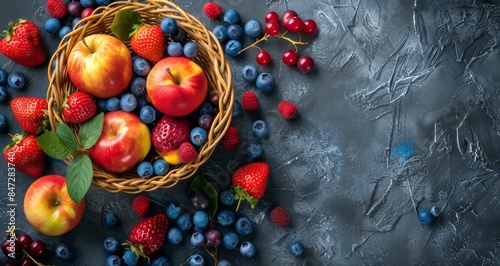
[
  {"x": 56, "y": 8},
  {"x": 187, "y": 152},
  {"x": 140, "y": 205},
  {"x": 212, "y": 10},
  {"x": 231, "y": 139},
  {"x": 287, "y": 109},
  {"x": 279, "y": 216},
  {"x": 249, "y": 101}
]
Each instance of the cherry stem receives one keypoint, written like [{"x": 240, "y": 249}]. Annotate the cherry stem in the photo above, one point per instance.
[{"x": 279, "y": 36}]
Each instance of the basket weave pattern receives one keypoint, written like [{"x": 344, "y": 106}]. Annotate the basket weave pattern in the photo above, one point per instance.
[{"x": 210, "y": 58}]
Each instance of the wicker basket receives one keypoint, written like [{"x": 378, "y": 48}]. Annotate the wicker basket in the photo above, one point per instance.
[{"x": 210, "y": 58}]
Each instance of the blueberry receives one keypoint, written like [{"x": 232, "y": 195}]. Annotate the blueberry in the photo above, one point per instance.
[
  {"x": 253, "y": 28},
  {"x": 230, "y": 240},
  {"x": 113, "y": 260},
  {"x": 64, "y": 31},
  {"x": 425, "y": 217},
  {"x": 190, "y": 50},
  {"x": 199, "y": 200},
  {"x": 101, "y": 104},
  {"x": 197, "y": 239},
  {"x": 130, "y": 258},
  {"x": 224, "y": 263},
  {"x": 103, "y": 2},
  {"x": 205, "y": 108},
  {"x": 160, "y": 167},
  {"x": 233, "y": 47},
  {"x": 244, "y": 226},
  {"x": 3, "y": 76},
  {"x": 145, "y": 169},
  {"x": 173, "y": 211},
  {"x": 16, "y": 80},
  {"x": 249, "y": 73},
  {"x": 196, "y": 260},
  {"x": 200, "y": 218},
  {"x": 174, "y": 49},
  {"x": 260, "y": 128},
  {"x": 53, "y": 25},
  {"x": 220, "y": 33},
  {"x": 179, "y": 35},
  {"x": 231, "y": 16},
  {"x": 234, "y": 31},
  {"x": 87, "y": 3},
  {"x": 236, "y": 108},
  {"x": 254, "y": 150},
  {"x": 3, "y": 122},
  {"x": 141, "y": 66},
  {"x": 247, "y": 249},
  {"x": 265, "y": 82},
  {"x": 168, "y": 25},
  {"x": 161, "y": 261},
  {"x": 75, "y": 21},
  {"x": 64, "y": 251},
  {"x": 198, "y": 136},
  {"x": 226, "y": 198},
  {"x": 435, "y": 211},
  {"x": 111, "y": 219},
  {"x": 205, "y": 121},
  {"x": 226, "y": 217},
  {"x": 128, "y": 102},
  {"x": 113, "y": 104},
  {"x": 184, "y": 221},
  {"x": 147, "y": 114},
  {"x": 296, "y": 248},
  {"x": 111, "y": 244},
  {"x": 3, "y": 94},
  {"x": 138, "y": 87},
  {"x": 174, "y": 236}
]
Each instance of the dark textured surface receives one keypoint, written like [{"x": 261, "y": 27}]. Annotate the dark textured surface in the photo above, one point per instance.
[{"x": 401, "y": 113}]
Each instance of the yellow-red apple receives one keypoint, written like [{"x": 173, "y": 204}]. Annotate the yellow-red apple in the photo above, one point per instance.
[
  {"x": 100, "y": 65},
  {"x": 176, "y": 86},
  {"x": 124, "y": 142},
  {"x": 49, "y": 208}
]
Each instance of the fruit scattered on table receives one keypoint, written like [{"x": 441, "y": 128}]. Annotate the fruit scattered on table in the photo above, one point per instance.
[
  {"x": 140, "y": 205},
  {"x": 296, "y": 248},
  {"x": 29, "y": 113},
  {"x": 247, "y": 249},
  {"x": 16, "y": 80},
  {"x": 249, "y": 101},
  {"x": 23, "y": 44},
  {"x": 250, "y": 181},
  {"x": 56, "y": 8},
  {"x": 25, "y": 154},
  {"x": 212, "y": 10},
  {"x": 148, "y": 235},
  {"x": 231, "y": 139},
  {"x": 279, "y": 216},
  {"x": 287, "y": 109}
]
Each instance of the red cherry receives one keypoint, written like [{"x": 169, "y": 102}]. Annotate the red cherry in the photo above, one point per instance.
[
  {"x": 25, "y": 241},
  {"x": 309, "y": 26},
  {"x": 38, "y": 248},
  {"x": 87, "y": 12},
  {"x": 289, "y": 57},
  {"x": 294, "y": 24},
  {"x": 11, "y": 247},
  {"x": 271, "y": 16},
  {"x": 287, "y": 15},
  {"x": 263, "y": 58},
  {"x": 26, "y": 262},
  {"x": 305, "y": 64},
  {"x": 272, "y": 28}
]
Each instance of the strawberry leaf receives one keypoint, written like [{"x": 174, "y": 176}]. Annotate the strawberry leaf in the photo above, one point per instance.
[
  {"x": 90, "y": 131},
  {"x": 123, "y": 23},
  {"x": 53, "y": 146},
  {"x": 67, "y": 136},
  {"x": 79, "y": 177},
  {"x": 201, "y": 185}
]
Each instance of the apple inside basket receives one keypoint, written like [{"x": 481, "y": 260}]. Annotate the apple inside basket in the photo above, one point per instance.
[{"x": 177, "y": 87}]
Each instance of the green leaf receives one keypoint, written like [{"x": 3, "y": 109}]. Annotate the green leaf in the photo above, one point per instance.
[
  {"x": 123, "y": 23},
  {"x": 201, "y": 185},
  {"x": 67, "y": 136},
  {"x": 79, "y": 177},
  {"x": 90, "y": 131},
  {"x": 53, "y": 146}
]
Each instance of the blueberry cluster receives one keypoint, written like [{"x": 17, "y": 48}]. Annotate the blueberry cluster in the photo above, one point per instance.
[{"x": 15, "y": 80}]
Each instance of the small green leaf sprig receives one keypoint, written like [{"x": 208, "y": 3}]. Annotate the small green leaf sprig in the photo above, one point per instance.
[{"x": 63, "y": 144}]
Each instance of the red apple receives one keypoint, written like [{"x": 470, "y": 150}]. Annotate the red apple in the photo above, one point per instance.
[
  {"x": 124, "y": 142},
  {"x": 100, "y": 65},
  {"x": 49, "y": 208},
  {"x": 176, "y": 86}
]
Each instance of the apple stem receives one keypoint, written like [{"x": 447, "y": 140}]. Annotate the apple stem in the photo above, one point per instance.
[
  {"x": 173, "y": 77},
  {"x": 85, "y": 43}
]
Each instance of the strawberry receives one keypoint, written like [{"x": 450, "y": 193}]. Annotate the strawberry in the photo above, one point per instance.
[
  {"x": 149, "y": 42},
  {"x": 25, "y": 155},
  {"x": 56, "y": 8},
  {"x": 140, "y": 205},
  {"x": 148, "y": 235},
  {"x": 279, "y": 216},
  {"x": 79, "y": 107},
  {"x": 29, "y": 113},
  {"x": 287, "y": 109},
  {"x": 23, "y": 43},
  {"x": 231, "y": 139},
  {"x": 212, "y": 10},
  {"x": 169, "y": 133},
  {"x": 249, "y": 101},
  {"x": 250, "y": 181},
  {"x": 187, "y": 152}
]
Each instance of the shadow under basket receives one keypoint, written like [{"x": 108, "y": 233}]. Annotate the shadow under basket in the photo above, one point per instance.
[{"x": 210, "y": 58}]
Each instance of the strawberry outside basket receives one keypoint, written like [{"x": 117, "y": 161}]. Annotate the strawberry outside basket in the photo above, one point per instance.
[{"x": 210, "y": 58}]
